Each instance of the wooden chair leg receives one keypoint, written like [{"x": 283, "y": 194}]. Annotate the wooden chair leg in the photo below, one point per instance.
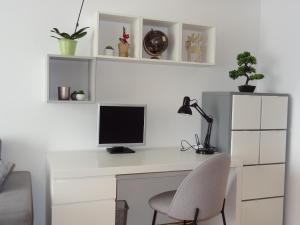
[
  {"x": 154, "y": 217},
  {"x": 184, "y": 222},
  {"x": 223, "y": 213},
  {"x": 196, "y": 217}
]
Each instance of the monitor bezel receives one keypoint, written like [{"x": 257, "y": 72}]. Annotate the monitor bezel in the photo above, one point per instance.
[{"x": 121, "y": 144}]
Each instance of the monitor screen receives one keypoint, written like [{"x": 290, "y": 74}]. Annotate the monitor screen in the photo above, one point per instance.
[{"x": 121, "y": 125}]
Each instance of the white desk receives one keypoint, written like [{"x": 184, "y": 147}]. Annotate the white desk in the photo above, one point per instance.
[{"x": 83, "y": 183}]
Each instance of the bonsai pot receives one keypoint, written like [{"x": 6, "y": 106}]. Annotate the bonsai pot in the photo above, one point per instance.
[
  {"x": 67, "y": 46},
  {"x": 247, "y": 88}
]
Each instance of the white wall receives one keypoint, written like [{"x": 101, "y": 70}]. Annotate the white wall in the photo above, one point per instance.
[
  {"x": 279, "y": 59},
  {"x": 29, "y": 127}
]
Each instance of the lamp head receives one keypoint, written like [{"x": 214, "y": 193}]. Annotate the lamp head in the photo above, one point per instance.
[{"x": 185, "y": 108}]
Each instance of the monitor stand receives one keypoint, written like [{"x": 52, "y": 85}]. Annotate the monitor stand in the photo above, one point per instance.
[{"x": 119, "y": 150}]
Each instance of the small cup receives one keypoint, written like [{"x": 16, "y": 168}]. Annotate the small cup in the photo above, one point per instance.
[{"x": 64, "y": 93}]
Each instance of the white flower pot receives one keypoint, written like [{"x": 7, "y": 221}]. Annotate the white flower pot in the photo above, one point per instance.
[
  {"x": 109, "y": 52},
  {"x": 80, "y": 97}
]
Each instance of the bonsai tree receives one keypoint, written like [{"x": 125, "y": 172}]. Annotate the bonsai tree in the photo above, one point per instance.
[{"x": 245, "y": 62}]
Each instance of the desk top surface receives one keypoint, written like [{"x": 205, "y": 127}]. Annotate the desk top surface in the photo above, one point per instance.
[{"x": 72, "y": 164}]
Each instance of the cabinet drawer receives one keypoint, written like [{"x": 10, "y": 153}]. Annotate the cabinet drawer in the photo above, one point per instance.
[
  {"x": 263, "y": 181},
  {"x": 274, "y": 112},
  {"x": 272, "y": 147},
  {"x": 263, "y": 212},
  {"x": 245, "y": 146},
  {"x": 88, "y": 213},
  {"x": 246, "y": 112},
  {"x": 83, "y": 189}
]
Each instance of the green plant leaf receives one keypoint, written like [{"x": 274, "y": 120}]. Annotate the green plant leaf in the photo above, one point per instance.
[
  {"x": 65, "y": 35},
  {"x": 55, "y": 37},
  {"x": 257, "y": 76},
  {"x": 55, "y": 30},
  {"x": 79, "y": 31},
  {"x": 79, "y": 35},
  {"x": 233, "y": 74}
]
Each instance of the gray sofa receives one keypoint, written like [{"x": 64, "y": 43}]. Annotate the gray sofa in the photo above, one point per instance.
[{"x": 16, "y": 199}]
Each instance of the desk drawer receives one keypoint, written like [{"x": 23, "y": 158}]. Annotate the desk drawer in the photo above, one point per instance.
[
  {"x": 263, "y": 181},
  {"x": 86, "y": 213},
  {"x": 83, "y": 189}
]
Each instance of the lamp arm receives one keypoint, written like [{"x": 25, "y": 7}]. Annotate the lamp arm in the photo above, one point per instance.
[
  {"x": 201, "y": 111},
  {"x": 209, "y": 120}
]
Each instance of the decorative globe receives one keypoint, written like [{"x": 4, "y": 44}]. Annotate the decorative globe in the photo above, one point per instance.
[{"x": 155, "y": 43}]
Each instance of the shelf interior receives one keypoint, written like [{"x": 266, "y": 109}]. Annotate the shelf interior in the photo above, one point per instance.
[
  {"x": 70, "y": 72},
  {"x": 206, "y": 43},
  {"x": 172, "y": 31},
  {"x": 111, "y": 29}
]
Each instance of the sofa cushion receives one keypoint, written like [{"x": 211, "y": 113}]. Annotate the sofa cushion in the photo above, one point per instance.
[
  {"x": 5, "y": 169},
  {"x": 16, "y": 200}
]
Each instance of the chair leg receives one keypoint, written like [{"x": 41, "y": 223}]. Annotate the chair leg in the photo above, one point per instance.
[
  {"x": 196, "y": 217},
  {"x": 154, "y": 217},
  {"x": 223, "y": 213},
  {"x": 184, "y": 222}
]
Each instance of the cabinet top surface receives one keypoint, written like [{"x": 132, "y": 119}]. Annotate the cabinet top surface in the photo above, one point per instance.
[
  {"x": 245, "y": 93},
  {"x": 72, "y": 164}
]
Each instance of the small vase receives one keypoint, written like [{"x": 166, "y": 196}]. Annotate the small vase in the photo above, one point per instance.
[
  {"x": 123, "y": 49},
  {"x": 247, "y": 88},
  {"x": 64, "y": 93},
  {"x": 67, "y": 46}
]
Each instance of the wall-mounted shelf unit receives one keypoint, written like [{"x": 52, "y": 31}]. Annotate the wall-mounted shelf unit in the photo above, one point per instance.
[
  {"x": 109, "y": 28},
  {"x": 71, "y": 71}
]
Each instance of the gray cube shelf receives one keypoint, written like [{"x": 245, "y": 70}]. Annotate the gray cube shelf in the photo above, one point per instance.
[{"x": 71, "y": 71}]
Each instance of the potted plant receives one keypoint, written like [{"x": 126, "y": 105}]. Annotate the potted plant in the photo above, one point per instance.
[
  {"x": 80, "y": 95},
  {"x": 67, "y": 42},
  {"x": 245, "y": 62},
  {"x": 109, "y": 50},
  {"x": 124, "y": 45}
]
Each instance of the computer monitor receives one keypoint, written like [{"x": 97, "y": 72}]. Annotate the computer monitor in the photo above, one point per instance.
[{"x": 121, "y": 127}]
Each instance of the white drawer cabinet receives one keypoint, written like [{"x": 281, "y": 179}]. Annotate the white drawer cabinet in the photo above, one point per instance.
[
  {"x": 274, "y": 112},
  {"x": 246, "y": 112},
  {"x": 263, "y": 181},
  {"x": 83, "y": 189},
  {"x": 272, "y": 146},
  {"x": 85, "y": 213},
  {"x": 253, "y": 127},
  {"x": 245, "y": 145},
  {"x": 263, "y": 212}
]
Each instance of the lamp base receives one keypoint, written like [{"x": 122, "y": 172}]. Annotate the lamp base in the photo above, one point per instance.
[{"x": 206, "y": 151}]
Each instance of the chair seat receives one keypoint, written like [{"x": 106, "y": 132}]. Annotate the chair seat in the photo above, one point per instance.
[{"x": 161, "y": 202}]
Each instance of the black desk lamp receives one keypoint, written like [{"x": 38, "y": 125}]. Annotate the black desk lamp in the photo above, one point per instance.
[{"x": 186, "y": 109}]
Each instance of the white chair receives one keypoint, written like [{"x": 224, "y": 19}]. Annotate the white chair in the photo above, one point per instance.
[{"x": 200, "y": 196}]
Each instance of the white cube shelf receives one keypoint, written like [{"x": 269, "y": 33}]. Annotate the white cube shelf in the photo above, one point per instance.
[
  {"x": 207, "y": 42},
  {"x": 75, "y": 72},
  {"x": 109, "y": 27}
]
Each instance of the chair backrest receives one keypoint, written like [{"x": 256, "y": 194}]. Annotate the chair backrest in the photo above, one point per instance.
[{"x": 204, "y": 188}]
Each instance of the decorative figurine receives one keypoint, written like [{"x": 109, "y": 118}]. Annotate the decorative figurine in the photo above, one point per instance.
[
  {"x": 193, "y": 47},
  {"x": 124, "y": 45}
]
